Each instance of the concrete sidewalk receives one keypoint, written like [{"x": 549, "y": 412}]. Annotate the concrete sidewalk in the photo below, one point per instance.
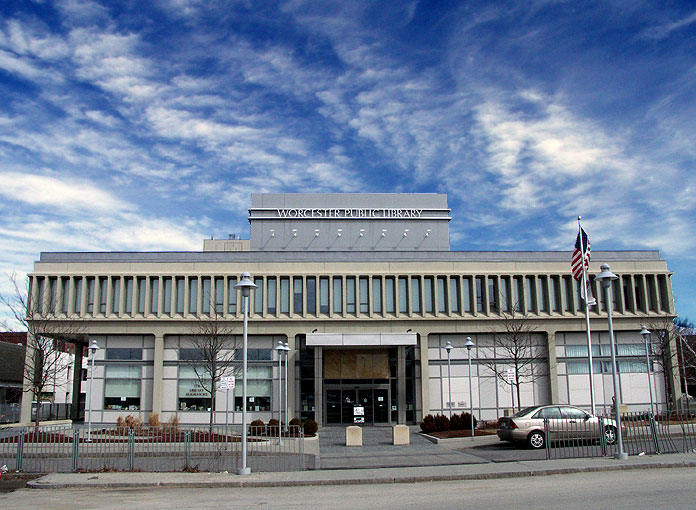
[{"x": 120, "y": 480}]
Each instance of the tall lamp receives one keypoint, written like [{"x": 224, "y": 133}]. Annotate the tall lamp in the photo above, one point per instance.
[
  {"x": 469, "y": 344},
  {"x": 606, "y": 277},
  {"x": 646, "y": 336},
  {"x": 93, "y": 348},
  {"x": 245, "y": 285},
  {"x": 448, "y": 348},
  {"x": 280, "y": 349},
  {"x": 286, "y": 348}
]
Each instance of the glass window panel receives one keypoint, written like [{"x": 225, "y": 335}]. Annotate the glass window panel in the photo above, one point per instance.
[
  {"x": 350, "y": 294},
  {"x": 311, "y": 295},
  {"x": 141, "y": 295},
  {"x": 180, "y": 286},
  {"x": 193, "y": 295},
  {"x": 258, "y": 294},
  {"x": 628, "y": 294},
  {"x": 53, "y": 283},
  {"x": 403, "y": 295},
  {"x": 627, "y": 367},
  {"x": 115, "y": 293},
  {"x": 167, "y": 295},
  {"x": 124, "y": 353},
  {"x": 124, "y": 372},
  {"x": 364, "y": 295},
  {"x": 505, "y": 294},
  {"x": 543, "y": 289},
  {"x": 190, "y": 354},
  {"x": 324, "y": 295},
  {"x": 154, "y": 294},
  {"x": 518, "y": 293},
  {"x": 231, "y": 295},
  {"x": 630, "y": 349},
  {"x": 555, "y": 294},
  {"x": 285, "y": 295},
  {"x": 65, "y": 285},
  {"x": 122, "y": 388},
  {"x": 78, "y": 295},
  {"x": 271, "y": 284},
  {"x": 428, "y": 296},
  {"x": 568, "y": 293},
  {"x": 492, "y": 294},
  {"x": 219, "y": 294},
  {"x": 479, "y": 294},
  {"x": 529, "y": 293},
  {"x": 415, "y": 295},
  {"x": 390, "y": 296},
  {"x": 441, "y": 294},
  {"x": 454, "y": 294},
  {"x": 466, "y": 292},
  {"x": 337, "y": 295},
  {"x": 90, "y": 295},
  {"x": 297, "y": 295},
  {"x": 377, "y": 295},
  {"x": 102, "y": 295},
  {"x": 129, "y": 295}
]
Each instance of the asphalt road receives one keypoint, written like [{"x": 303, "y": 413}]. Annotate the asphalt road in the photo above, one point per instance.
[{"x": 620, "y": 490}]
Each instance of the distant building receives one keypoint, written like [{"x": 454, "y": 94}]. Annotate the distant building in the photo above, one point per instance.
[{"x": 366, "y": 292}]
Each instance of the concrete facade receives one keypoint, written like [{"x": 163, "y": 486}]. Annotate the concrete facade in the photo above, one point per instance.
[{"x": 389, "y": 306}]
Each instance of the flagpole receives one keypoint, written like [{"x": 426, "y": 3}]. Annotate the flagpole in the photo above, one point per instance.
[{"x": 587, "y": 316}]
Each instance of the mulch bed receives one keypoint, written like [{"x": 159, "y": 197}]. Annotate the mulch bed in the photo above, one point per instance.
[{"x": 449, "y": 434}]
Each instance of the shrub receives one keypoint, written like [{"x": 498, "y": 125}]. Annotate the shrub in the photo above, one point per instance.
[
  {"x": 442, "y": 423},
  {"x": 173, "y": 421},
  {"x": 257, "y": 427},
  {"x": 456, "y": 422},
  {"x": 295, "y": 422},
  {"x": 428, "y": 424},
  {"x": 129, "y": 422},
  {"x": 272, "y": 427},
  {"x": 310, "y": 427},
  {"x": 466, "y": 421},
  {"x": 153, "y": 420}
]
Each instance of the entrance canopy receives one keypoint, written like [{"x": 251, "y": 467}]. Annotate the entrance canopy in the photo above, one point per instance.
[{"x": 360, "y": 339}]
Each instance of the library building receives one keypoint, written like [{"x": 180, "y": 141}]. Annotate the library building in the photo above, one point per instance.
[{"x": 372, "y": 311}]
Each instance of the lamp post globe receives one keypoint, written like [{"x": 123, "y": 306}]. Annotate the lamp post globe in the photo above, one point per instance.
[
  {"x": 245, "y": 285},
  {"x": 606, "y": 277},
  {"x": 469, "y": 344}
]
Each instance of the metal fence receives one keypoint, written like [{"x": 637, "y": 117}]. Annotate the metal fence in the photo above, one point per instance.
[
  {"x": 164, "y": 448},
  {"x": 643, "y": 434}
]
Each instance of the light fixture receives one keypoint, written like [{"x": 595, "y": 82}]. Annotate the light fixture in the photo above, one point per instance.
[
  {"x": 448, "y": 348},
  {"x": 280, "y": 349},
  {"x": 340, "y": 232},
  {"x": 93, "y": 348},
  {"x": 316, "y": 232},
  {"x": 362, "y": 232},
  {"x": 294, "y": 232},
  {"x": 646, "y": 337},
  {"x": 469, "y": 344},
  {"x": 272, "y": 233},
  {"x": 427, "y": 233},
  {"x": 245, "y": 285},
  {"x": 384, "y": 232},
  {"x": 405, "y": 232}
]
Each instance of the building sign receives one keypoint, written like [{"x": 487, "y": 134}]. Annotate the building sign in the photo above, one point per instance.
[
  {"x": 348, "y": 213},
  {"x": 358, "y": 411}
]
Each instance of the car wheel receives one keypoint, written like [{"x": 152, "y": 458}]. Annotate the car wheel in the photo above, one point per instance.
[
  {"x": 610, "y": 434},
  {"x": 536, "y": 440}
]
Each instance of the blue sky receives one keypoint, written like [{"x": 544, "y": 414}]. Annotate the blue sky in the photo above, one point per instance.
[{"x": 147, "y": 125}]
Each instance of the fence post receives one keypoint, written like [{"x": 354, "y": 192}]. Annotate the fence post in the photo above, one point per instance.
[
  {"x": 653, "y": 432},
  {"x": 300, "y": 434},
  {"x": 20, "y": 450},
  {"x": 547, "y": 439},
  {"x": 131, "y": 449},
  {"x": 187, "y": 449},
  {"x": 75, "y": 448},
  {"x": 602, "y": 437}
]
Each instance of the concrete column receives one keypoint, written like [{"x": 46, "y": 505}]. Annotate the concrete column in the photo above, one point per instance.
[
  {"x": 76, "y": 383},
  {"x": 425, "y": 376},
  {"x": 109, "y": 296},
  {"x": 553, "y": 367},
  {"x": 187, "y": 295},
  {"x": 484, "y": 295},
  {"x": 401, "y": 384},
  {"x": 318, "y": 385},
  {"x": 670, "y": 294},
  {"x": 28, "y": 394},
  {"x": 293, "y": 381},
  {"x": 148, "y": 298},
  {"x": 158, "y": 373},
  {"x": 160, "y": 297}
]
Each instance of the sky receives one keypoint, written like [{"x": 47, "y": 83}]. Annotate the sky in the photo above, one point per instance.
[{"x": 147, "y": 125}]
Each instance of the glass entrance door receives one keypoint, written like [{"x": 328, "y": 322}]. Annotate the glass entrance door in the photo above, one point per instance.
[{"x": 341, "y": 403}]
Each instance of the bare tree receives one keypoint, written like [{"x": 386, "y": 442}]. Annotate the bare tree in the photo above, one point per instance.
[
  {"x": 213, "y": 356},
  {"x": 517, "y": 349},
  {"x": 48, "y": 334}
]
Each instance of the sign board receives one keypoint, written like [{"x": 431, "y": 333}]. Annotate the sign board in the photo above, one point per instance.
[
  {"x": 511, "y": 375},
  {"x": 227, "y": 383},
  {"x": 358, "y": 411},
  {"x": 358, "y": 419}
]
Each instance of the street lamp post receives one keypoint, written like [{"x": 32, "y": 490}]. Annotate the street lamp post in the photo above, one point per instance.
[
  {"x": 245, "y": 285},
  {"x": 280, "y": 349},
  {"x": 469, "y": 344},
  {"x": 286, "y": 348},
  {"x": 93, "y": 348},
  {"x": 646, "y": 336},
  {"x": 448, "y": 348},
  {"x": 606, "y": 277}
]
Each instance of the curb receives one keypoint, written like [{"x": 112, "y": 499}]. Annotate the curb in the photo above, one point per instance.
[{"x": 363, "y": 481}]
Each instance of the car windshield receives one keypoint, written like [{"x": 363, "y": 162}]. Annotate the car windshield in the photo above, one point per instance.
[{"x": 524, "y": 411}]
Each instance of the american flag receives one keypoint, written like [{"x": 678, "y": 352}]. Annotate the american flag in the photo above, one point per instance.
[{"x": 577, "y": 261}]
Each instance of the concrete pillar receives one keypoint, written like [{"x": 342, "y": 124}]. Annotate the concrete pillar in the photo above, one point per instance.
[
  {"x": 28, "y": 394},
  {"x": 158, "y": 373},
  {"x": 76, "y": 383},
  {"x": 318, "y": 386},
  {"x": 401, "y": 384},
  {"x": 553, "y": 367},
  {"x": 425, "y": 376}
]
